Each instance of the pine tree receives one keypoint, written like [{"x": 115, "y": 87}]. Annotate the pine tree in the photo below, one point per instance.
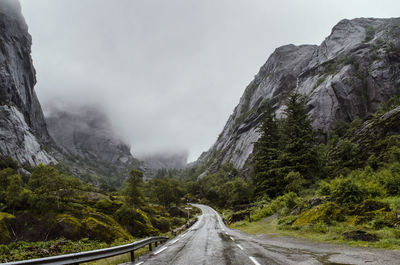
[
  {"x": 266, "y": 153},
  {"x": 298, "y": 146},
  {"x": 134, "y": 188}
]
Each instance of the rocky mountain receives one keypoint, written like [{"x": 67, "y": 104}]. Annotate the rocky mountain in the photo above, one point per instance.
[
  {"x": 23, "y": 133},
  {"x": 90, "y": 146},
  {"x": 353, "y": 70}
]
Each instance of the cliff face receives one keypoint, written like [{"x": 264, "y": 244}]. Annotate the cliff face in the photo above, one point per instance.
[
  {"x": 353, "y": 70},
  {"x": 23, "y": 130},
  {"x": 89, "y": 145}
]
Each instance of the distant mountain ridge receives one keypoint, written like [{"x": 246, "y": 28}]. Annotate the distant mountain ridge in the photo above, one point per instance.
[{"x": 353, "y": 70}]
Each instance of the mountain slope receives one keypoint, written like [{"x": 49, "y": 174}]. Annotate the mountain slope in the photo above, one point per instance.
[
  {"x": 353, "y": 70},
  {"x": 23, "y": 130},
  {"x": 90, "y": 146}
]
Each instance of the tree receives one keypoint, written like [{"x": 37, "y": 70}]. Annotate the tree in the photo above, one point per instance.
[
  {"x": 134, "y": 188},
  {"x": 49, "y": 186},
  {"x": 295, "y": 182},
  {"x": 266, "y": 153},
  {"x": 299, "y": 151}
]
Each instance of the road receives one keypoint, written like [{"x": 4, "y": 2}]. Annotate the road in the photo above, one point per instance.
[{"x": 210, "y": 242}]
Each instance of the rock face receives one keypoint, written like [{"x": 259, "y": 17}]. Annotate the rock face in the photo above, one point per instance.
[
  {"x": 87, "y": 138},
  {"x": 23, "y": 132},
  {"x": 353, "y": 70}
]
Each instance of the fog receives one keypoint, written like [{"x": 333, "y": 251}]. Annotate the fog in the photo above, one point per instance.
[{"x": 169, "y": 73}]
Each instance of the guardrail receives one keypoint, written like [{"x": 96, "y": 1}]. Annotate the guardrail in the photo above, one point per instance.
[{"x": 81, "y": 257}]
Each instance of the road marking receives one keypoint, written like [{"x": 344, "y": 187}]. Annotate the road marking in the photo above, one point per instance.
[
  {"x": 159, "y": 251},
  {"x": 139, "y": 263},
  {"x": 239, "y": 246},
  {"x": 173, "y": 242},
  {"x": 254, "y": 260},
  {"x": 232, "y": 239}
]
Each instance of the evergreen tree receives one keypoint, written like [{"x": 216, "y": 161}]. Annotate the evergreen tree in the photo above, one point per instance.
[
  {"x": 134, "y": 188},
  {"x": 266, "y": 153},
  {"x": 298, "y": 146}
]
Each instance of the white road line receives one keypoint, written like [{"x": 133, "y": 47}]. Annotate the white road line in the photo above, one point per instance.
[
  {"x": 239, "y": 246},
  {"x": 254, "y": 260},
  {"x": 232, "y": 239},
  {"x": 139, "y": 263},
  {"x": 159, "y": 251},
  {"x": 173, "y": 242}
]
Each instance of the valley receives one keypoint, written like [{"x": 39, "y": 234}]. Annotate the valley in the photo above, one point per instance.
[{"x": 306, "y": 169}]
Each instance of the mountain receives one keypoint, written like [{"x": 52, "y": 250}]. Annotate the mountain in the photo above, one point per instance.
[
  {"x": 23, "y": 133},
  {"x": 90, "y": 146},
  {"x": 153, "y": 163},
  {"x": 354, "y": 70}
]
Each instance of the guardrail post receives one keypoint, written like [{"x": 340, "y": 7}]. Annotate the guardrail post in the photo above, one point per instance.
[
  {"x": 132, "y": 255},
  {"x": 155, "y": 244},
  {"x": 150, "y": 248}
]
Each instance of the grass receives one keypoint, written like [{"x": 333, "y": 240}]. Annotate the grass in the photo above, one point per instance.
[{"x": 389, "y": 237}]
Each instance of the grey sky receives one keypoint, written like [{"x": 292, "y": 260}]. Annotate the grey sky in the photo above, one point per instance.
[{"x": 169, "y": 72}]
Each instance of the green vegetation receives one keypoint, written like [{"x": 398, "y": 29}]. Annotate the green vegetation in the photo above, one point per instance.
[
  {"x": 345, "y": 190},
  {"x": 369, "y": 33},
  {"x": 285, "y": 157},
  {"x": 45, "y": 212}
]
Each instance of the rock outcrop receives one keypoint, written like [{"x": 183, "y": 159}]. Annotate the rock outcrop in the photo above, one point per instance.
[
  {"x": 23, "y": 133},
  {"x": 353, "y": 70}
]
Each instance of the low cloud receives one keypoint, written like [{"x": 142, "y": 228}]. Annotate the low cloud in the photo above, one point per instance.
[{"x": 169, "y": 73}]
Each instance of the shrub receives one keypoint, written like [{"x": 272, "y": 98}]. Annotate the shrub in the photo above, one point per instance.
[
  {"x": 369, "y": 33},
  {"x": 343, "y": 190},
  {"x": 295, "y": 182},
  {"x": 282, "y": 205}
]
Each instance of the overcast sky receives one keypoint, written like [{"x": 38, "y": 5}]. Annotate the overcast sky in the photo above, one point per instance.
[{"x": 170, "y": 72}]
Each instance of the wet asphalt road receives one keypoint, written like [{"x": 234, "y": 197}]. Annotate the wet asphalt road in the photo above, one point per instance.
[{"x": 209, "y": 242}]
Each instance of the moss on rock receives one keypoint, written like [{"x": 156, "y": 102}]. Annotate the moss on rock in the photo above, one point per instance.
[
  {"x": 107, "y": 232},
  {"x": 370, "y": 206},
  {"x": 70, "y": 226},
  {"x": 5, "y": 236},
  {"x": 326, "y": 213}
]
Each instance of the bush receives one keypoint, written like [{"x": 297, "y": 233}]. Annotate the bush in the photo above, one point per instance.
[
  {"x": 343, "y": 190},
  {"x": 369, "y": 33},
  {"x": 282, "y": 205},
  {"x": 295, "y": 182}
]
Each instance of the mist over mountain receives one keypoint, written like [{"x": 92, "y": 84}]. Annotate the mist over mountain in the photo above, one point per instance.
[
  {"x": 87, "y": 134},
  {"x": 153, "y": 163}
]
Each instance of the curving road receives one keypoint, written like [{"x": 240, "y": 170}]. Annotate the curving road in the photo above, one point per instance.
[{"x": 209, "y": 242}]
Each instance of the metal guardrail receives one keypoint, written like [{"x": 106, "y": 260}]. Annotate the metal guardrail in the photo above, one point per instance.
[{"x": 81, "y": 257}]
